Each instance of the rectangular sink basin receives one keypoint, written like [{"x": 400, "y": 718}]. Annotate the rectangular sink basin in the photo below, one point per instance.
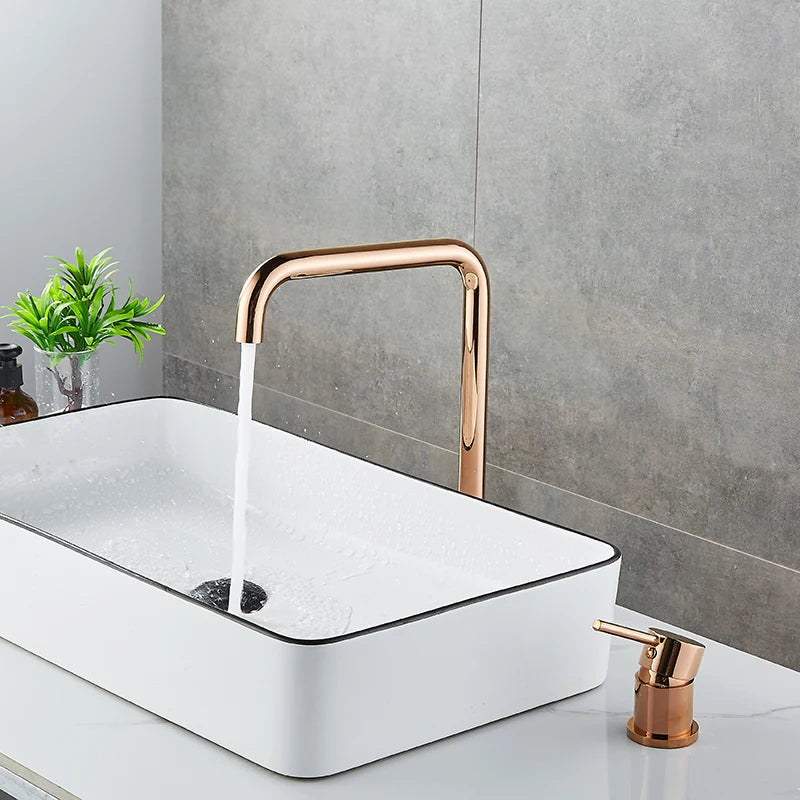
[{"x": 399, "y": 612}]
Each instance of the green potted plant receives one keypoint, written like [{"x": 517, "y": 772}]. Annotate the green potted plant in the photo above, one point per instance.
[{"x": 78, "y": 311}]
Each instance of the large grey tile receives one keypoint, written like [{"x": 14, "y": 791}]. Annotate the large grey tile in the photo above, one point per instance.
[
  {"x": 724, "y": 594},
  {"x": 189, "y": 381},
  {"x": 637, "y": 209},
  {"x": 637, "y": 203},
  {"x": 362, "y": 378},
  {"x": 297, "y": 125}
]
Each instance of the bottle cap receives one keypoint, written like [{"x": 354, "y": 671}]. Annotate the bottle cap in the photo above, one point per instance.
[{"x": 10, "y": 371}]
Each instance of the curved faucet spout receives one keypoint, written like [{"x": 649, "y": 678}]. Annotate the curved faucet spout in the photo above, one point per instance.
[{"x": 258, "y": 288}]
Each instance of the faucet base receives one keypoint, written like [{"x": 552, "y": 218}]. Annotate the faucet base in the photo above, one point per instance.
[{"x": 663, "y": 741}]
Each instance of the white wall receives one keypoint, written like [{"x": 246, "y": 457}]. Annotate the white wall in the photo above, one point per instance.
[{"x": 80, "y": 154}]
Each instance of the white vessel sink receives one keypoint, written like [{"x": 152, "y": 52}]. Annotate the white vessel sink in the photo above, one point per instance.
[{"x": 399, "y": 612}]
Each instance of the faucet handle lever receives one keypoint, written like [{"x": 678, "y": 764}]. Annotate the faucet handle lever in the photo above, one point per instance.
[
  {"x": 650, "y": 638},
  {"x": 664, "y": 685},
  {"x": 666, "y": 655}
]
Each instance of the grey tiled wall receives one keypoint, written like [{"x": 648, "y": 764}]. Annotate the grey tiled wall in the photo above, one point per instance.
[{"x": 629, "y": 173}]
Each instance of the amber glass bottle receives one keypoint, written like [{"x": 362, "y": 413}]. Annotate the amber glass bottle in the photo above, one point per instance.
[{"x": 15, "y": 405}]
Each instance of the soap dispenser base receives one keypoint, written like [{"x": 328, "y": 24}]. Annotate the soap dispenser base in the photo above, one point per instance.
[{"x": 663, "y": 741}]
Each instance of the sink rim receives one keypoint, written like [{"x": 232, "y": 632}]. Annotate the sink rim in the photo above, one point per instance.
[{"x": 486, "y": 596}]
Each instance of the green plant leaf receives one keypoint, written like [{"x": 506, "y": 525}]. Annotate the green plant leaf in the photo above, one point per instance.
[{"x": 78, "y": 308}]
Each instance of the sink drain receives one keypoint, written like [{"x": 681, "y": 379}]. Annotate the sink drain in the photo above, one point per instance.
[{"x": 216, "y": 593}]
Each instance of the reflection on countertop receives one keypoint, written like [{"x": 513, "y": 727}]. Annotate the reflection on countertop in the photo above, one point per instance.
[{"x": 98, "y": 746}]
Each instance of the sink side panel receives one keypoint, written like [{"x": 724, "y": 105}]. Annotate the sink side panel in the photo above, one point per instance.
[
  {"x": 187, "y": 663},
  {"x": 302, "y": 710},
  {"x": 389, "y": 691}
]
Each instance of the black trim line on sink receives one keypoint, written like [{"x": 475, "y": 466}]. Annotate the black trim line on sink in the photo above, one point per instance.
[{"x": 344, "y": 636}]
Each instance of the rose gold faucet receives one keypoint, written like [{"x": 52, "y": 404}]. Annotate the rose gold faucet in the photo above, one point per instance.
[{"x": 258, "y": 288}]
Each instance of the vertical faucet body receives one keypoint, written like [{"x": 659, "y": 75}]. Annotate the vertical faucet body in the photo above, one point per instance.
[{"x": 258, "y": 288}]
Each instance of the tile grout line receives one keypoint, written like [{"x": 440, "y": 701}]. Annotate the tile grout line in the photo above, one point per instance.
[
  {"x": 477, "y": 127},
  {"x": 502, "y": 469},
  {"x": 646, "y": 519},
  {"x": 315, "y": 405}
]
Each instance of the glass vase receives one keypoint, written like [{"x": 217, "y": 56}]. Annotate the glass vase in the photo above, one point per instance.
[{"x": 66, "y": 381}]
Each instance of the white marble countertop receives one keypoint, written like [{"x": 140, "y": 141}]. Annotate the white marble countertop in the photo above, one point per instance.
[{"x": 101, "y": 748}]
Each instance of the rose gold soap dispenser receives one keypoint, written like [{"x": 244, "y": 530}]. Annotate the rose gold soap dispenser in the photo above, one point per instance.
[{"x": 663, "y": 687}]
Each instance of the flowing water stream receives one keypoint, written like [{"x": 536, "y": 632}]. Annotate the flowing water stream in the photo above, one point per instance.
[{"x": 241, "y": 475}]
